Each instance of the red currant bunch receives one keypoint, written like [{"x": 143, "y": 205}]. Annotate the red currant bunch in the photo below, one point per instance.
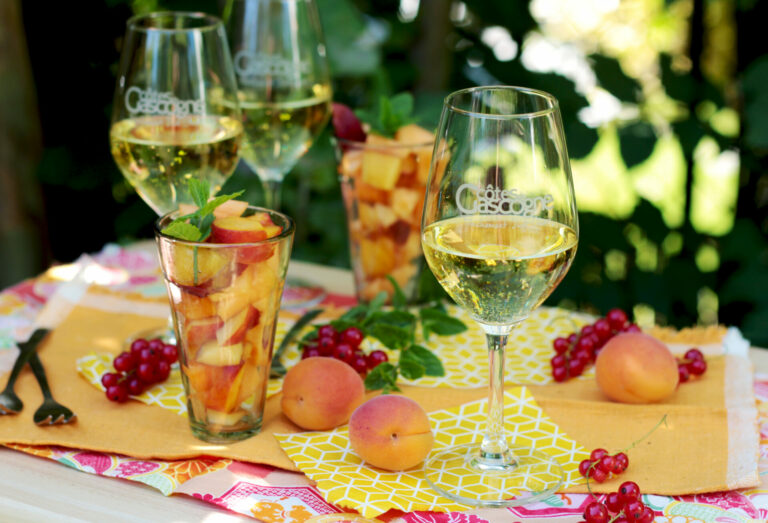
[
  {"x": 574, "y": 353},
  {"x": 691, "y": 364},
  {"x": 601, "y": 465},
  {"x": 147, "y": 363},
  {"x": 622, "y": 506},
  {"x": 344, "y": 346}
]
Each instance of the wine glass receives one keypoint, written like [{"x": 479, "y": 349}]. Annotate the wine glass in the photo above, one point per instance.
[
  {"x": 284, "y": 86},
  {"x": 175, "y": 114},
  {"x": 499, "y": 231},
  {"x": 284, "y": 90}
]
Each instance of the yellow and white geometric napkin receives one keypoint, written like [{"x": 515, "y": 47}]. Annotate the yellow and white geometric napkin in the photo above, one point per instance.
[{"x": 345, "y": 480}]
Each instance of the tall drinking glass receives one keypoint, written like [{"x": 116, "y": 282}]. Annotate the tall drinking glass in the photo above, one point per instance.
[
  {"x": 284, "y": 86},
  {"x": 499, "y": 231},
  {"x": 175, "y": 114}
]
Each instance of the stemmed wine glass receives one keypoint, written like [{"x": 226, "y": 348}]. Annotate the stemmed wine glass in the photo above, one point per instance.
[
  {"x": 499, "y": 232},
  {"x": 175, "y": 113},
  {"x": 284, "y": 86}
]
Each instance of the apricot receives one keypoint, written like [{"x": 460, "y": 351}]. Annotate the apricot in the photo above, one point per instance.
[
  {"x": 636, "y": 368},
  {"x": 391, "y": 432},
  {"x": 321, "y": 393}
]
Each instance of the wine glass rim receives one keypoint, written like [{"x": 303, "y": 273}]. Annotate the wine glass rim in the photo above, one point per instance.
[
  {"x": 286, "y": 232},
  {"x": 553, "y": 103},
  {"x": 211, "y": 22}
]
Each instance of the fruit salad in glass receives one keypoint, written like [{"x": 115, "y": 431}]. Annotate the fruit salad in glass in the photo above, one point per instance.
[
  {"x": 383, "y": 181},
  {"x": 225, "y": 294}
]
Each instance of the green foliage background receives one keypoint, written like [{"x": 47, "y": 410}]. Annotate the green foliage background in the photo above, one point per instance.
[{"x": 666, "y": 270}]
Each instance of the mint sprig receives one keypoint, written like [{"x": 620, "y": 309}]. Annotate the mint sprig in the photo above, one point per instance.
[
  {"x": 196, "y": 227},
  {"x": 389, "y": 114}
]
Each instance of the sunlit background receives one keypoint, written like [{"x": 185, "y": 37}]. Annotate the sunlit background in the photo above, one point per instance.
[{"x": 663, "y": 104}]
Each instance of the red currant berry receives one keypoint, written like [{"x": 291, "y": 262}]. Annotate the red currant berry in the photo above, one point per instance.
[
  {"x": 146, "y": 372},
  {"x": 617, "y": 318},
  {"x": 582, "y": 355},
  {"x": 613, "y": 502},
  {"x": 697, "y": 367},
  {"x": 170, "y": 353},
  {"x": 342, "y": 352},
  {"x": 693, "y": 354},
  {"x": 634, "y": 510},
  {"x": 585, "y": 343},
  {"x": 629, "y": 491},
  {"x": 560, "y": 374},
  {"x": 138, "y": 345},
  {"x": 606, "y": 464},
  {"x": 558, "y": 360},
  {"x": 560, "y": 345},
  {"x": 573, "y": 338},
  {"x": 156, "y": 344},
  {"x": 150, "y": 355},
  {"x": 117, "y": 393},
  {"x": 360, "y": 364},
  {"x": 631, "y": 328},
  {"x": 125, "y": 362},
  {"x": 603, "y": 329},
  {"x": 584, "y": 467},
  {"x": 162, "y": 371},
  {"x": 110, "y": 378},
  {"x": 575, "y": 367},
  {"x": 597, "y": 454},
  {"x": 596, "y": 341},
  {"x": 376, "y": 358},
  {"x": 135, "y": 386},
  {"x": 326, "y": 345},
  {"x": 310, "y": 352},
  {"x": 620, "y": 463},
  {"x": 352, "y": 336},
  {"x": 598, "y": 475},
  {"x": 596, "y": 512},
  {"x": 586, "y": 330},
  {"x": 327, "y": 331},
  {"x": 648, "y": 515},
  {"x": 683, "y": 373}
]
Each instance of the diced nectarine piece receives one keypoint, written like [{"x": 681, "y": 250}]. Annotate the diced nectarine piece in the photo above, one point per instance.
[
  {"x": 182, "y": 261},
  {"x": 413, "y": 134},
  {"x": 403, "y": 203},
  {"x": 194, "y": 307},
  {"x": 411, "y": 248},
  {"x": 424, "y": 158},
  {"x": 187, "y": 208},
  {"x": 351, "y": 163},
  {"x": 230, "y": 208},
  {"x": 236, "y": 296},
  {"x": 377, "y": 256},
  {"x": 385, "y": 215},
  {"x": 369, "y": 193},
  {"x": 384, "y": 144},
  {"x": 216, "y": 386},
  {"x": 235, "y": 229},
  {"x": 252, "y": 385},
  {"x": 223, "y": 419},
  {"x": 368, "y": 217},
  {"x": 381, "y": 170},
  {"x": 404, "y": 273},
  {"x": 211, "y": 353},
  {"x": 198, "y": 332},
  {"x": 233, "y": 330}
]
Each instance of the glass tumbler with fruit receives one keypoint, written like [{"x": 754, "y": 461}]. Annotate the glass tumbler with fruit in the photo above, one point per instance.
[
  {"x": 225, "y": 279},
  {"x": 383, "y": 174}
]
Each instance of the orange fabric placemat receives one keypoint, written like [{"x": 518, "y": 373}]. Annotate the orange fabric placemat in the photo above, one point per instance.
[{"x": 710, "y": 435}]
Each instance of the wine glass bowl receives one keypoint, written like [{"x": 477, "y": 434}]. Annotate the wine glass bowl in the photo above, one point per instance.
[
  {"x": 499, "y": 231},
  {"x": 175, "y": 114}
]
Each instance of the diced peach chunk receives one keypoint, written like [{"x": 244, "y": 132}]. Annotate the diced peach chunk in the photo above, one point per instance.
[
  {"x": 214, "y": 354},
  {"x": 404, "y": 201},
  {"x": 377, "y": 256},
  {"x": 413, "y": 134},
  {"x": 182, "y": 261},
  {"x": 368, "y": 217},
  {"x": 351, "y": 163},
  {"x": 381, "y": 170},
  {"x": 217, "y": 387},
  {"x": 385, "y": 215}
]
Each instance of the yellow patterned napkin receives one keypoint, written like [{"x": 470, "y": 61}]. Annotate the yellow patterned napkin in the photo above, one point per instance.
[{"x": 345, "y": 480}]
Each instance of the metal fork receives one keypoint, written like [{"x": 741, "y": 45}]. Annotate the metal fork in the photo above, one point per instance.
[
  {"x": 50, "y": 412},
  {"x": 10, "y": 403}
]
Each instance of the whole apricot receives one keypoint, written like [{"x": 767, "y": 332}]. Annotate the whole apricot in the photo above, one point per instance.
[
  {"x": 636, "y": 368},
  {"x": 321, "y": 393},
  {"x": 391, "y": 432}
]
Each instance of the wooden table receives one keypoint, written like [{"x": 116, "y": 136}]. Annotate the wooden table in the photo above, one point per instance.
[{"x": 35, "y": 489}]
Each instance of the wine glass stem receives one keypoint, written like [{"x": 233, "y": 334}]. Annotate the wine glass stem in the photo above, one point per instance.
[
  {"x": 272, "y": 194},
  {"x": 494, "y": 451}
]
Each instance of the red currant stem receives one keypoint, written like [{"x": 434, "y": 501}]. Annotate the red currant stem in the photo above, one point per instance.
[
  {"x": 636, "y": 442},
  {"x": 617, "y": 516},
  {"x": 589, "y": 488}
]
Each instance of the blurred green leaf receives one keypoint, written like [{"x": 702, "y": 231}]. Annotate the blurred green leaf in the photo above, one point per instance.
[
  {"x": 636, "y": 142},
  {"x": 612, "y": 78}
]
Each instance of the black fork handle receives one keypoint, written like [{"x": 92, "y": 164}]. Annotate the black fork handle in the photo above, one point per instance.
[
  {"x": 26, "y": 350},
  {"x": 39, "y": 372}
]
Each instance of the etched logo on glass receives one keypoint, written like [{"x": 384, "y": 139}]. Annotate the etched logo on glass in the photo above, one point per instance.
[
  {"x": 149, "y": 101},
  {"x": 474, "y": 199},
  {"x": 252, "y": 68}
]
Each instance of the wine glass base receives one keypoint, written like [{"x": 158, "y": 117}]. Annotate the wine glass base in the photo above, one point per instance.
[
  {"x": 457, "y": 473},
  {"x": 300, "y": 294}
]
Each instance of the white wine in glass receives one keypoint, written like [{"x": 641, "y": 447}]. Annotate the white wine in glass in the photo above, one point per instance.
[{"x": 499, "y": 232}]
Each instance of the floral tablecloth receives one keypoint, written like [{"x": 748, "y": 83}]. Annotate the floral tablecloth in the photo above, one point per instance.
[{"x": 274, "y": 495}]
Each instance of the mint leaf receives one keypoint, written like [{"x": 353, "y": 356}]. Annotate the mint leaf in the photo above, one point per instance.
[
  {"x": 375, "y": 304},
  {"x": 402, "y": 104},
  {"x": 389, "y": 114},
  {"x": 397, "y": 318},
  {"x": 439, "y": 322},
  {"x": 200, "y": 190},
  {"x": 410, "y": 367},
  {"x": 355, "y": 314},
  {"x": 382, "y": 377},
  {"x": 432, "y": 364},
  {"x": 209, "y": 206},
  {"x": 182, "y": 230},
  {"x": 398, "y": 297},
  {"x": 391, "y": 336}
]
